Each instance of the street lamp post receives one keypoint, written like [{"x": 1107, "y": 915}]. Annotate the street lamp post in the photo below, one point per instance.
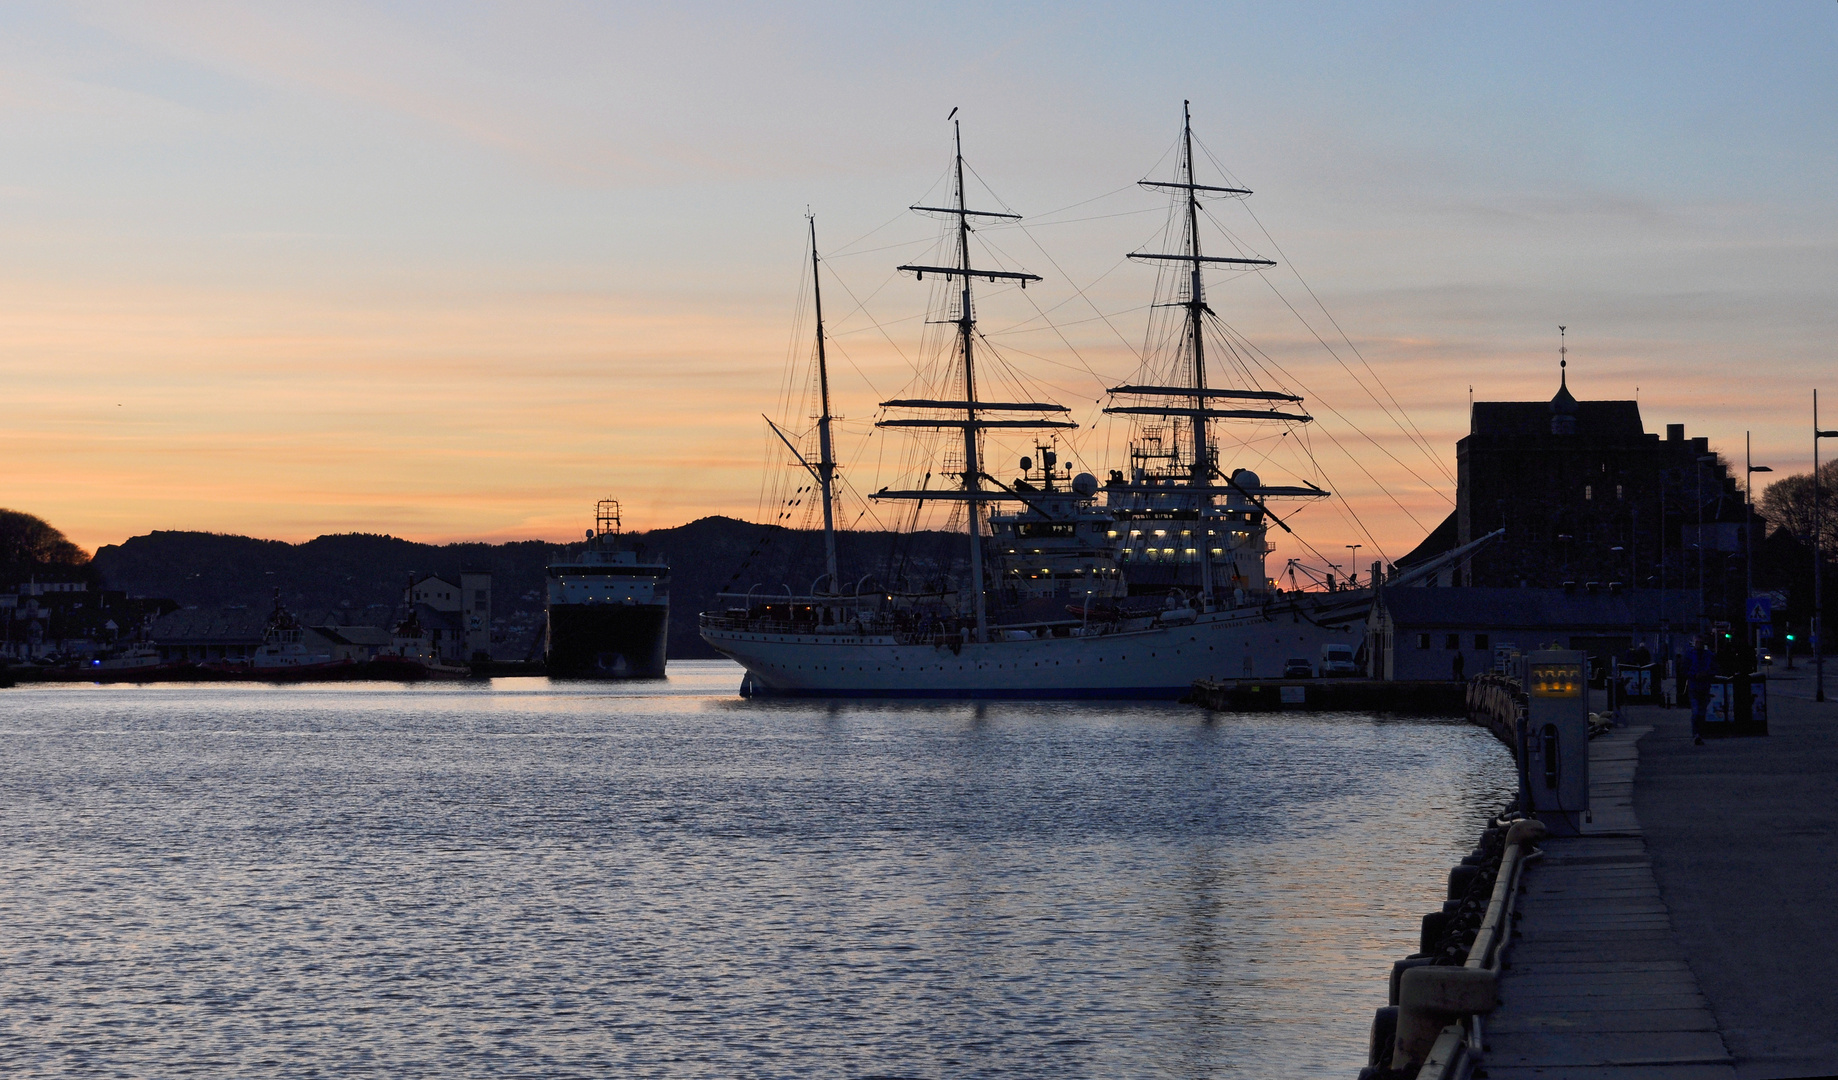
[
  {"x": 1748, "y": 531},
  {"x": 1818, "y": 560},
  {"x": 1353, "y": 577}
]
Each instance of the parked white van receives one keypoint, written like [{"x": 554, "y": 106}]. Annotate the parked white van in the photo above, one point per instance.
[{"x": 1337, "y": 660}]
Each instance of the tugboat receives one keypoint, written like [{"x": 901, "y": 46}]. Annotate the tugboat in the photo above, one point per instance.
[
  {"x": 285, "y": 652},
  {"x": 609, "y": 609}
]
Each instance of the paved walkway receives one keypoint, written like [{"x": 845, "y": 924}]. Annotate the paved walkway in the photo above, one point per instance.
[
  {"x": 1597, "y": 984},
  {"x": 1743, "y": 836}
]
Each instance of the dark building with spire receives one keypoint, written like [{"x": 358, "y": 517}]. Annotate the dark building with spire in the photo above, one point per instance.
[{"x": 1587, "y": 495}]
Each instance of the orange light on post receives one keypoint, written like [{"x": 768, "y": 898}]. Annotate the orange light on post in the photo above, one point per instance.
[{"x": 1557, "y": 680}]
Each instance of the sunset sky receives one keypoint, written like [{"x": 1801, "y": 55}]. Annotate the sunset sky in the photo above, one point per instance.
[{"x": 454, "y": 271}]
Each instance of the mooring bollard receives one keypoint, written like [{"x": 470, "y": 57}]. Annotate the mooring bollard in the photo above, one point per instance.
[{"x": 1432, "y": 998}]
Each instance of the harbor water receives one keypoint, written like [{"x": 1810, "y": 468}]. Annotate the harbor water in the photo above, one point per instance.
[{"x": 525, "y": 878}]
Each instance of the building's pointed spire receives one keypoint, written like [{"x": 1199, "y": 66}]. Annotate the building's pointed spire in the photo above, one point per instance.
[{"x": 1563, "y": 405}]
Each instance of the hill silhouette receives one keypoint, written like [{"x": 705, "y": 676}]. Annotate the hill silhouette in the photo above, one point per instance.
[{"x": 361, "y": 576}]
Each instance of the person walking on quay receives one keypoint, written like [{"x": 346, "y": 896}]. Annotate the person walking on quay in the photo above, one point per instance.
[{"x": 1698, "y": 667}]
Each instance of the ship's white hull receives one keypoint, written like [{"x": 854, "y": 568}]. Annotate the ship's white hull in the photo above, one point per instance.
[{"x": 1157, "y": 661}]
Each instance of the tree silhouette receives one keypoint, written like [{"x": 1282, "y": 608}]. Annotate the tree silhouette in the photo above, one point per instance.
[
  {"x": 29, "y": 544},
  {"x": 1787, "y": 504}
]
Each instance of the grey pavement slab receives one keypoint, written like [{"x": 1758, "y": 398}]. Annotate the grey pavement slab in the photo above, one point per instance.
[
  {"x": 1624, "y": 1072},
  {"x": 1676, "y": 1018},
  {"x": 1598, "y": 1047},
  {"x": 1743, "y": 835}
]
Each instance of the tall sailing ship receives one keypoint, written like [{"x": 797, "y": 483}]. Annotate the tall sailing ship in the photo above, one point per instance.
[{"x": 1132, "y": 587}]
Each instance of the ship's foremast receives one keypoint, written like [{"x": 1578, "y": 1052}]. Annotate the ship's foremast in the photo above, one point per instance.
[{"x": 826, "y": 452}]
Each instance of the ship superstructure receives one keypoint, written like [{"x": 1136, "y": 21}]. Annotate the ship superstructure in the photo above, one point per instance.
[{"x": 608, "y": 608}]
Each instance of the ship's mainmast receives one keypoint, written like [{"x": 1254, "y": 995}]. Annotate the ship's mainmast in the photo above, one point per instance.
[
  {"x": 968, "y": 411},
  {"x": 1203, "y": 468}
]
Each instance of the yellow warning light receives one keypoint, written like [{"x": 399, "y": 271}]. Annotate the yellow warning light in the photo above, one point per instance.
[{"x": 1557, "y": 680}]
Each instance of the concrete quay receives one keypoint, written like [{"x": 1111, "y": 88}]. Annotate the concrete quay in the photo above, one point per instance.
[{"x": 1685, "y": 935}]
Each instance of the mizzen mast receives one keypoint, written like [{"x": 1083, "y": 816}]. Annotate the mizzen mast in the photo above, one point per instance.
[{"x": 966, "y": 414}]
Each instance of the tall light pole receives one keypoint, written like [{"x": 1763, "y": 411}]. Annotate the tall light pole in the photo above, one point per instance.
[
  {"x": 1818, "y": 559},
  {"x": 1748, "y": 531},
  {"x": 1353, "y": 578}
]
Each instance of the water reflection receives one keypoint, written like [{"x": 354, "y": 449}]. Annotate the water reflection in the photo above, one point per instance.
[{"x": 664, "y": 879}]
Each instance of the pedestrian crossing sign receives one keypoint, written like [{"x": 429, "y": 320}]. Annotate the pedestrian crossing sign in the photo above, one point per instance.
[{"x": 1761, "y": 609}]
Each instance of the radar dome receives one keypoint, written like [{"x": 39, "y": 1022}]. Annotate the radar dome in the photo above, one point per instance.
[
  {"x": 1245, "y": 478},
  {"x": 1085, "y": 484}
]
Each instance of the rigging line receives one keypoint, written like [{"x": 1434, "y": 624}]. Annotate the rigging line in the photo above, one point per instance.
[
  {"x": 1081, "y": 202},
  {"x": 971, "y": 169},
  {"x": 1421, "y": 439},
  {"x": 1380, "y": 447},
  {"x": 834, "y": 334},
  {"x": 1140, "y": 358},
  {"x": 1359, "y": 526},
  {"x": 1085, "y": 369},
  {"x": 862, "y": 307},
  {"x": 1073, "y": 349},
  {"x": 1039, "y": 224},
  {"x": 835, "y": 346},
  {"x": 867, "y": 503},
  {"x": 1026, "y": 325},
  {"x": 845, "y": 249},
  {"x": 1300, "y": 539},
  {"x": 1076, "y": 290},
  {"x": 1231, "y": 236},
  {"x": 872, "y": 250},
  {"x": 1362, "y": 468},
  {"x": 1230, "y": 177}
]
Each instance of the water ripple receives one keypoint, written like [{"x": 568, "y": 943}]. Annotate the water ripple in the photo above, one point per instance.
[{"x": 659, "y": 879}]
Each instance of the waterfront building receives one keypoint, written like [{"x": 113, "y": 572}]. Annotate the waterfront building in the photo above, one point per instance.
[
  {"x": 357, "y": 643},
  {"x": 69, "y": 617},
  {"x": 1417, "y": 633},
  {"x": 209, "y": 635},
  {"x": 454, "y": 619},
  {"x": 1587, "y": 494}
]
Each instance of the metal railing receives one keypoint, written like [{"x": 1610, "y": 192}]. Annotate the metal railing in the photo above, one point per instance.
[{"x": 1458, "y": 1049}]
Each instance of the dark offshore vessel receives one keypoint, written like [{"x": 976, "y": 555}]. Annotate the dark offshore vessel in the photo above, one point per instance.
[{"x": 609, "y": 609}]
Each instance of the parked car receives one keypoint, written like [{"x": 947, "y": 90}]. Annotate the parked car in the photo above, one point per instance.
[
  {"x": 1337, "y": 660},
  {"x": 1298, "y": 667}
]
